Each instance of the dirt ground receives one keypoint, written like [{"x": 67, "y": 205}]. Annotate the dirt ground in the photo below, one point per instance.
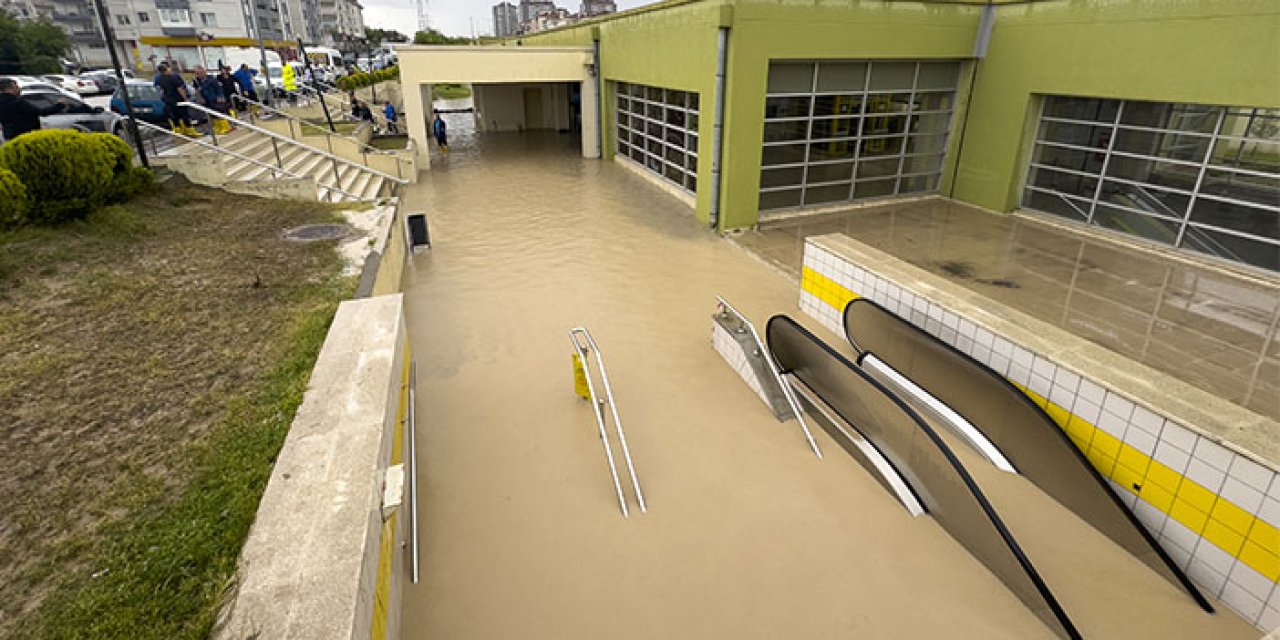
[{"x": 122, "y": 340}]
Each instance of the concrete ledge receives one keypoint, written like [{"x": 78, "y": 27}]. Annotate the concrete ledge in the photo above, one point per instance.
[{"x": 310, "y": 566}]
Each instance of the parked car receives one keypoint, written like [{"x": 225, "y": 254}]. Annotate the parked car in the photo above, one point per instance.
[
  {"x": 33, "y": 84},
  {"x": 78, "y": 115},
  {"x": 80, "y": 86},
  {"x": 147, "y": 105},
  {"x": 105, "y": 79}
]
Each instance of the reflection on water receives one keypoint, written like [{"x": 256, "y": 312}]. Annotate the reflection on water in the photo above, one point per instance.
[{"x": 1212, "y": 329}]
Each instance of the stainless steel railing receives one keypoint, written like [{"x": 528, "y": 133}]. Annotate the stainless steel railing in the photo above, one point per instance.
[
  {"x": 772, "y": 365},
  {"x": 276, "y": 139},
  {"x": 577, "y": 336},
  {"x": 277, "y": 169},
  {"x": 298, "y": 126}
]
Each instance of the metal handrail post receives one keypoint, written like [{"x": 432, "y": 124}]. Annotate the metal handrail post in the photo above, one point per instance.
[
  {"x": 787, "y": 391},
  {"x": 595, "y": 406},
  {"x": 617, "y": 421},
  {"x": 276, "y": 147}
]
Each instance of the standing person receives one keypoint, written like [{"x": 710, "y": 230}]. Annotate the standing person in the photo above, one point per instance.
[
  {"x": 365, "y": 113},
  {"x": 244, "y": 77},
  {"x": 390, "y": 112},
  {"x": 209, "y": 94},
  {"x": 230, "y": 89},
  {"x": 290, "y": 82},
  {"x": 17, "y": 114},
  {"x": 173, "y": 90},
  {"x": 441, "y": 131}
]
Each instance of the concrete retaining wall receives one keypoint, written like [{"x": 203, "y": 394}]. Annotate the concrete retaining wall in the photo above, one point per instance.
[{"x": 324, "y": 558}]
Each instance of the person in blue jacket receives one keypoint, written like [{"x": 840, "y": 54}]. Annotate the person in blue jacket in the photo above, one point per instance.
[
  {"x": 209, "y": 94},
  {"x": 244, "y": 75},
  {"x": 390, "y": 112}
]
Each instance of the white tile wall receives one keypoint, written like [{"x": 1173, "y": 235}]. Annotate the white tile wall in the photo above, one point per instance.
[
  {"x": 1248, "y": 483},
  {"x": 728, "y": 348}
]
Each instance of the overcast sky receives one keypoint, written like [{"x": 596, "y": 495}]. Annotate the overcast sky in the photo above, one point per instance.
[{"x": 453, "y": 17}]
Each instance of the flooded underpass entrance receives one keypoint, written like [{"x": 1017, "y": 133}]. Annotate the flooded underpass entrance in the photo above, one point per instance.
[{"x": 747, "y": 535}]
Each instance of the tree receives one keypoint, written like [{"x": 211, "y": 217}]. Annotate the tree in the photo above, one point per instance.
[
  {"x": 31, "y": 47},
  {"x": 431, "y": 36},
  {"x": 384, "y": 35}
]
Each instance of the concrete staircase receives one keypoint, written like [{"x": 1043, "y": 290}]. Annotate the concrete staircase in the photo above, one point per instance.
[{"x": 355, "y": 182}]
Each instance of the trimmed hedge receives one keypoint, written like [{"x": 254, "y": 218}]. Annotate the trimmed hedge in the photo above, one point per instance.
[
  {"x": 360, "y": 79},
  {"x": 14, "y": 201},
  {"x": 67, "y": 174}
]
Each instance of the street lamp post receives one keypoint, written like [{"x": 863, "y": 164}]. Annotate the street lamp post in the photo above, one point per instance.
[{"x": 109, "y": 35}]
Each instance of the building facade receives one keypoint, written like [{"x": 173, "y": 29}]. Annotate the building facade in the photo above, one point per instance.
[
  {"x": 341, "y": 22},
  {"x": 506, "y": 19},
  {"x": 591, "y": 8}
]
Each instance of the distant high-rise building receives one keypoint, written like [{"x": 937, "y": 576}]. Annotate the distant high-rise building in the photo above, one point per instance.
[
  {"x": 506, "y": 19},
  {"x": 598, "y": 7},
  {"x": 531, "y": 9}
]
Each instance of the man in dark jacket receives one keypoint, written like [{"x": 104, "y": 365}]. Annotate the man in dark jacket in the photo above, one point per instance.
[{"x": 18, "y": 115}]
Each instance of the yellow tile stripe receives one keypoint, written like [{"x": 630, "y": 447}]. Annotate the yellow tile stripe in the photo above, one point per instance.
[
  {"x": 826, "y": 289},
  {"x": 1242, "y": 535},
  {"x": 382, "y": 587},
  {"x": 1252, "y": 540}
]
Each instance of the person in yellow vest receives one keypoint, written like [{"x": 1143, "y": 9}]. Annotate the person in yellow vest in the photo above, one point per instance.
[{"x": 290, "y": 82}]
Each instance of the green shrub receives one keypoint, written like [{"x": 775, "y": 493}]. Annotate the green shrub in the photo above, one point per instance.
[
  {"x": 66, "y": 173},
  {"x": 129, "y": 184},
  {"x": 119, "y": 151},
  {"x": 360, "y": 79},
  {"x": 14, "y": 201}
]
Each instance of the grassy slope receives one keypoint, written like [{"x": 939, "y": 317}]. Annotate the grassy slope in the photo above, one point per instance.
[{"x": 151, "y": 360}]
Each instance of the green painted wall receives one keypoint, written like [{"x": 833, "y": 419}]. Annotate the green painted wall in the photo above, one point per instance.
[
  {"x": 1202, "y": 51},
  {"x": 1208, "y": 51}
]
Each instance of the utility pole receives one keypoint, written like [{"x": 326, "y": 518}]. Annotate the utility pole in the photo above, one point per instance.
[
  {"x": 109, "y": 35},
  {"x": 262, "y": 49},
  {"x": 319, "y": 94}
]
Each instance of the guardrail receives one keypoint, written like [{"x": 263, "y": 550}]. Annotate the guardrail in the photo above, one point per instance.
[
  {"x": 278, "y": 170},
  {"x": 576, "y": 336},
  {"x": 307, "y": 128}
]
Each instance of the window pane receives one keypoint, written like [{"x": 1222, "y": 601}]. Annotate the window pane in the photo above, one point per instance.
[
  {"x": 892, "y": 76},
  {"x": 878, "y": 168},
  {"x": 1163, "y": 115},
  {"x": 779, "y": 199},
  {"x": 832, "y": 193},
  {"x": 938, "y": 75},
  {"x": 1149, "y": 199},
  {"x": 675, "y": 98},
  {"x": 881, "y": 147},
  {"x": 837, "y": 105},
  {"x": 781, "y": 177},
  {"x": 1260, "y": 124},
  {"x": 913, "y": 184},
  {"x": 883, "y": 125},
  {"x": 1255, "y": 221},
  {"x": 786, "y": 107},
  {"x": 1190, "y": 148},
  {"x": 675, "y": 117},
  {"x": 922, "y": 164},
  {"x": 930, "y": 122},
  {"x": 1239, "y": 186},
  {"x": 1067, "y": 207},
  {"x": 1224, "y": 245},
  {"x": 1253, "y": 155},
  {"x": 842, "y": 76},
  {"x": 1134, "y": 223},
  {"x": 831, "y": 172},
  {"x": 1167, "y": 174},
  {"x": 784, "y": 154},
  {"x": 928, "y": 143},
  {"x": 835, "y": 128},
  {"x": 1062, "y": 182},
  {"x": 934, "y": 101},
  {"x": 873, "y": 188},
  {"x": 1074, "y": 159},
  {"x": 1092, "y": 109},
  {"x": 790, "y": 77},
  {"x": 1079, "y": 135},
  {"x": 786, "y": 130},
  {"x": 834, "y": 150}
]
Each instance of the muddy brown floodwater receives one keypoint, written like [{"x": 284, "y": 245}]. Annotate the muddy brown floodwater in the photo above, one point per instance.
[{"x": 747, "y": 534}]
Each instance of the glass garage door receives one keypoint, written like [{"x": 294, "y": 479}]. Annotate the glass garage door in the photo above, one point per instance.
[
  {"x": 1202, "y": 177},
  {"x": 659, "y": 129},
  {"x": 839, "y": 130}
]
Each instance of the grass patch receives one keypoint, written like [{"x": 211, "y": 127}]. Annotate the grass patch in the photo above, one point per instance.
[
  {"x": 389, "y": 143},
  {"x": 451, "y": 91},
  {"x": 151, "y": 361}
]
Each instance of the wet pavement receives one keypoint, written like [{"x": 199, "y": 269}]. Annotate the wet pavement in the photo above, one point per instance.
[
  {"x": 748, "y": 535},
  {"x": 1214, "y": 328}
]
